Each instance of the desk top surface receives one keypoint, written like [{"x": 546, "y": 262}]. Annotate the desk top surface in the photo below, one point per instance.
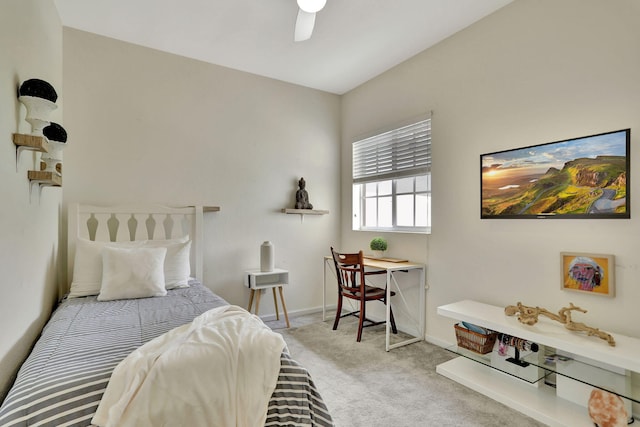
[{"x": 387, "y": 265}]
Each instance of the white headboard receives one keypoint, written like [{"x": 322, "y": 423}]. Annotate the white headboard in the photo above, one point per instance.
[{"x": 138, "y": 222}]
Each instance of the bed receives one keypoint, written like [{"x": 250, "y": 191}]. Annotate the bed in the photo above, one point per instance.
[{"x": 88, "y": 343}]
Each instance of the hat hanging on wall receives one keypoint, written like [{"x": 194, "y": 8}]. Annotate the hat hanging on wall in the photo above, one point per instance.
[
  {"x": 39, "y": 98},
  {"x": 57, "y": 139}
]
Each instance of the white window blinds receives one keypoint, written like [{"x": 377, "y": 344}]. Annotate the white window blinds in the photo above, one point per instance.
[{"x": 401, "y": 152}]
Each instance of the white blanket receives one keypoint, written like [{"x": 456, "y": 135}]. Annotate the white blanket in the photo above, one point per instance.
[{"x": 219, "y": 370}]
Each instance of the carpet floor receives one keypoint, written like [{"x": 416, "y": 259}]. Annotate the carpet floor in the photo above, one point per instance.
[{"x": 365, "y": 386}]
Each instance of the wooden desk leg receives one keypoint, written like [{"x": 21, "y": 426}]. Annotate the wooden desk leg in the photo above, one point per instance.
[
  {"x": 258, "y": 292},
  {"x": 251, "y": 300},
  {"x": 284, "y": 306},
  {"x": 275, "y": 302}
]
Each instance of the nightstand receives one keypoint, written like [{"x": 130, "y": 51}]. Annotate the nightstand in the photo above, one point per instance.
[{"x": 257, "y": 280}]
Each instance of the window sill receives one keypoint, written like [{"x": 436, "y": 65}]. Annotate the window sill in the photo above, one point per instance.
[{"x": 387, "y": 230}]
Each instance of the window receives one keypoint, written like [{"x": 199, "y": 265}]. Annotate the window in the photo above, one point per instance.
[{"x": 392, "y": 180}]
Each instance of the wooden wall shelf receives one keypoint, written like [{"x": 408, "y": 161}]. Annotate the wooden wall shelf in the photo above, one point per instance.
[
  {"x": 211, "y": 209},
  {"x": 24, "y": 142},
  {"x": 45, "y": 178},
  {"x": 305, "y": 211},
  {"x": 31, "y": 142}
]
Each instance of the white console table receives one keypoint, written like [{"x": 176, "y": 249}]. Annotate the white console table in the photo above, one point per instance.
[{"x": 591, "y": 357}]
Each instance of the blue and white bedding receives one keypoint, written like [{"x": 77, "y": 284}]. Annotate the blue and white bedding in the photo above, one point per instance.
[{"x": 63, "y": 380}]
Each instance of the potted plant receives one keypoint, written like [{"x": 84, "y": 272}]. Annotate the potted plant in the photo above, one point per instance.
[{"x": 379, "y": 245}]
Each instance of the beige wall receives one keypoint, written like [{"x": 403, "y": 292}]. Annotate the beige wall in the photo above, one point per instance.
[
  {"x": 155, "y": 127},
  {"x": 30, "y": 47},
  {"x": 535, "y": 71},
  {"x": 146, "y": 126}
]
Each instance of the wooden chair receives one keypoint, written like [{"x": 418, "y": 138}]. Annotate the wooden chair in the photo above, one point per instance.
[{"x": 351, "y": 275}]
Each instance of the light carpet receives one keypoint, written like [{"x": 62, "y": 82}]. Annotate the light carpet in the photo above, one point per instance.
[{"x": 363, "y": 385}]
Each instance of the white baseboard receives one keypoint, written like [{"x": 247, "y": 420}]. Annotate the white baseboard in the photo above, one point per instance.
[
  {"x": 295, "y": 313},
  {"x": 437, "y": 341}
]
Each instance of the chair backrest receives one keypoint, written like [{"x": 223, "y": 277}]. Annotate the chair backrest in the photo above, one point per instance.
[{"x": 349, "y": 269}]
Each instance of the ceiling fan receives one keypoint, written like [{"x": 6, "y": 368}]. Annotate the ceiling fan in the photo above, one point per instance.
[{"x": 307, "y": 18}]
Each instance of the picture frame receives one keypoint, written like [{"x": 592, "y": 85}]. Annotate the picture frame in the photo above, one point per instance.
[
  {"x": 587, "y": 273},
  {"x": 586, "y": 178}
]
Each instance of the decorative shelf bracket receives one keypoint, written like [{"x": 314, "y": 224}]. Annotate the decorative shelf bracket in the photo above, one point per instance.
[
  {"x": 25, "y": 142},
  {"x": 43, "y": 179},
  {"x": 303, "y": 212},
  {"x": 39, "y": 179}
]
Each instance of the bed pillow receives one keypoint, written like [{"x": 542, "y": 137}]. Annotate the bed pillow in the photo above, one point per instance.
[
  {"x": 132, "y": 273},
  {"x": 87, "y": 267},
  {"x": 177, "y": 264}
]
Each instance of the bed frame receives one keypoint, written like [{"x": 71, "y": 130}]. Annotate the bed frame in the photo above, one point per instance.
[
  {"x": 135, "y": 222},
  {"x": 62, "y": 380}
]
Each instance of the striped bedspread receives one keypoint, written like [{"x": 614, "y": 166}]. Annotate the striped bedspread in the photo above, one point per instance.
[{"x": 62, "y": 381}]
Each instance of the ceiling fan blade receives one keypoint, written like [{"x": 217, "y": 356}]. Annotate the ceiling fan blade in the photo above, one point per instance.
[{"x": 304, "y": 25}]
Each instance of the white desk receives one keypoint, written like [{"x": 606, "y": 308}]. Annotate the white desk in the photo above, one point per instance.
[{"x": 392, "y": 268}]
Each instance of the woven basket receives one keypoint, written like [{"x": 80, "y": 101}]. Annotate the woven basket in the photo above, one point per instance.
[{"x": 474, "y": 341}]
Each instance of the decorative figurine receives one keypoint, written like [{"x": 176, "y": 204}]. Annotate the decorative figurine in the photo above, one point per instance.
[
  {"x": 529, "y": 316},
  {"x": 57, "y": 139},
  {"x": 607, "y": 409},
  {"x": 39, "y": 99},
  {"x": 302, "y": 197}
]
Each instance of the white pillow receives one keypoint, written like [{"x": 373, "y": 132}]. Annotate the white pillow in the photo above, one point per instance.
[
  {"x": 177, "y": 265},
  {"x": 132, "y": 273},
  {"x": 87, "y": 266}
]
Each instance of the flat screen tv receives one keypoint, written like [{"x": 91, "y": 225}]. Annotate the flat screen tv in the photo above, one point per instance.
[{"x": 586, "y": 177}]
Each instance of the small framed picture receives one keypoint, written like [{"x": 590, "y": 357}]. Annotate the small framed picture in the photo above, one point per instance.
[{"x": 589, "y": 273}]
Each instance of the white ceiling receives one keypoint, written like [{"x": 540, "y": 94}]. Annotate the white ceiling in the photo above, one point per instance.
[{"x": 353, "y": 40}]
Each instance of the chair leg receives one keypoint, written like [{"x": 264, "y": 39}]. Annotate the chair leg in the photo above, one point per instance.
[
  {"x": 338, "y": 312},
  {"x": 361, "y": 322}
]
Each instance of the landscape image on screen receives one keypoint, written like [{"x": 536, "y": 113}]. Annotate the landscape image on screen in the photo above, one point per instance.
[{"x": 582, "y": 177}]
